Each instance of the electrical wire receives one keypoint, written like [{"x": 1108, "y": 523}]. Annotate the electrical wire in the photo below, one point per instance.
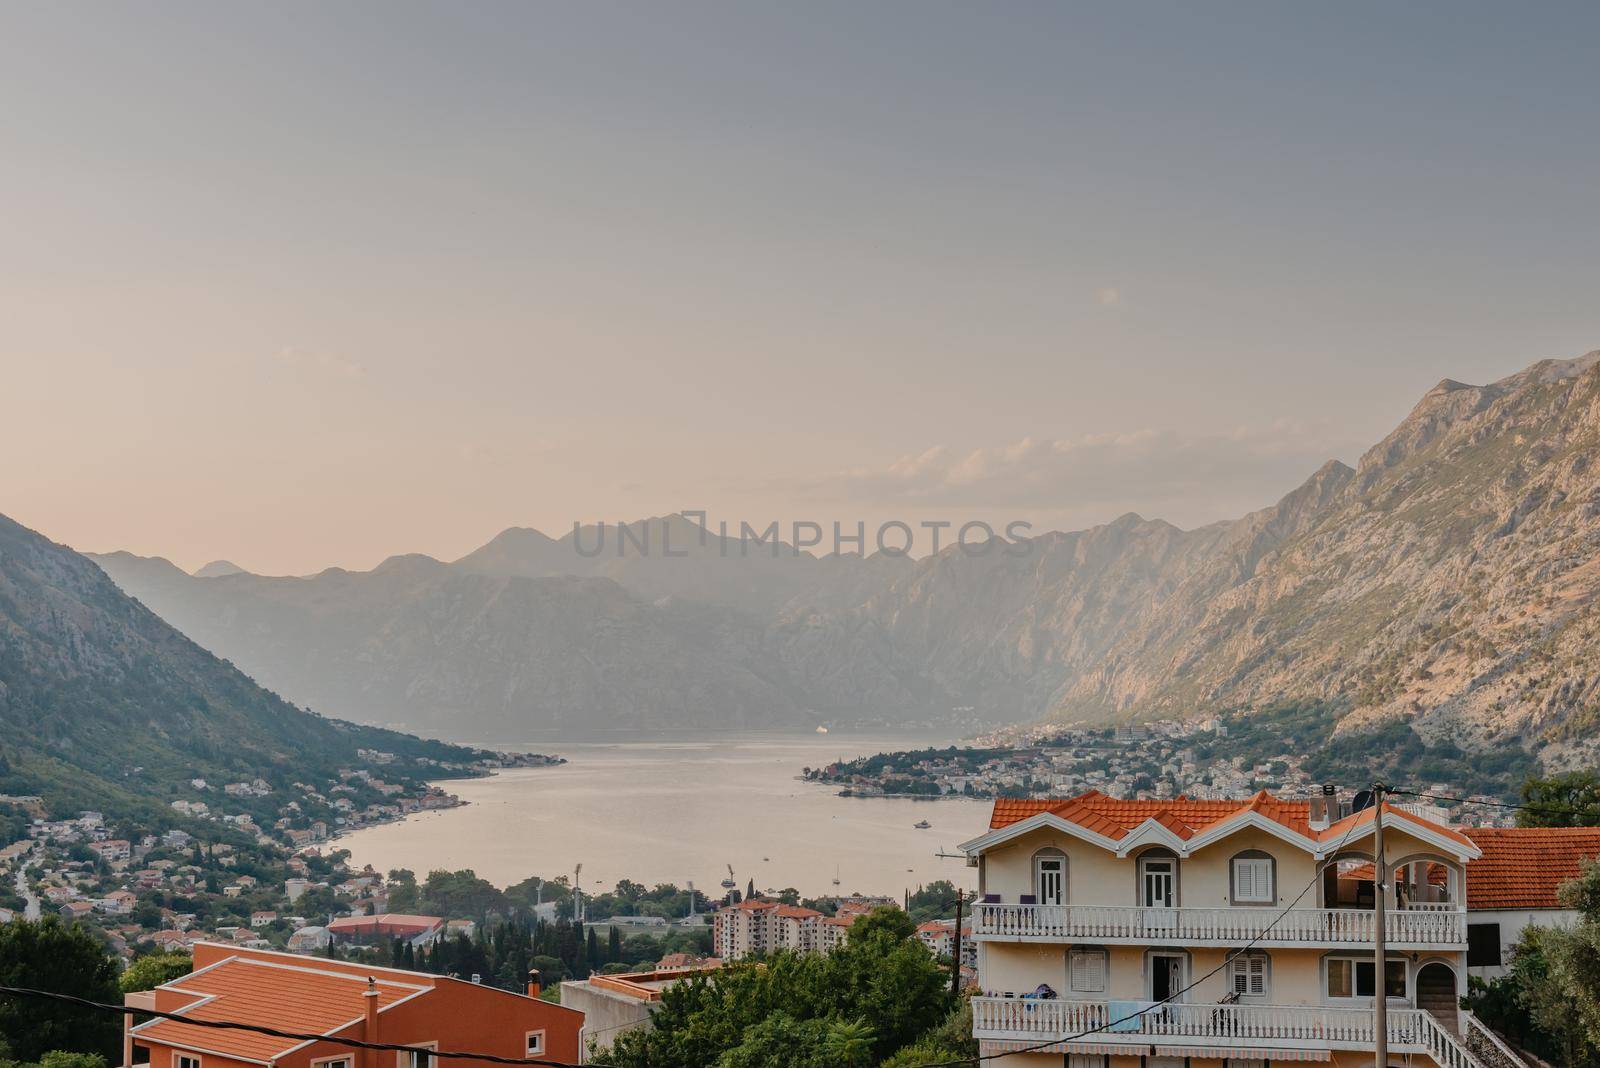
[
  {"x": 352, "y": 1043},
  {"x": 1226, "y": 960},
  {"x": 273, "y": 1032},
  {"x": 1529, "y": 806}
]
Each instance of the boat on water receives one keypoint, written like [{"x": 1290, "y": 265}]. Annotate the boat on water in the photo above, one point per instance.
[
  {"x": 822, "y": 730},
  {"x": 922, "y": 825}
]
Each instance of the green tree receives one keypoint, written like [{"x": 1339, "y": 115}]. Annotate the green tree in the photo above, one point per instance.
[
  {"x": 848, "y": 1042},
  {"x": 149, "y": 972},
  {"x": 64, "y": 960},
  {"x": 881, "y": 974},
  {"x": 461, "y": 895},
  {"x": 779, "y": 1041},
  {"x": 57, "y": 1058},
  {"x": 1568, "y": 800},
  {"x": 1550, "y": 1000}
]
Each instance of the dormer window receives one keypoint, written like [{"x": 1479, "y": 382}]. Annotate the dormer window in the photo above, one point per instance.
[{"x": 1252, "y": 879}]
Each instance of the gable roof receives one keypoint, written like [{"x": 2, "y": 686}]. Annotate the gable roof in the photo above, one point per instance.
[
  {"x": 1524, "y": 867},
  {"x": 289, "y": 997},
  {"x": 1113, "y": 820}
]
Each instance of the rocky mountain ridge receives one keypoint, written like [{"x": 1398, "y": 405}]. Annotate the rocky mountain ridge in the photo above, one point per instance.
[{"x": 1449, "y": 577}]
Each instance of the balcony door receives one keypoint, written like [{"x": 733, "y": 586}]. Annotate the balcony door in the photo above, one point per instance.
[
  {"x": 1166, "y": 975},
  {"x": 1158, "y": 882},
  {"x": 1050, "y": 879}
]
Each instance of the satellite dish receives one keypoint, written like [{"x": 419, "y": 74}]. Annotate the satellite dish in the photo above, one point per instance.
[{"x": 1363, "y": 799}]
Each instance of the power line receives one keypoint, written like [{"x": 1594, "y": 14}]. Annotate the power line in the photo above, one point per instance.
[
  {"x": 273, "y": 1032},
  {"x": 1226, "y": 960},
  {"x": 1531, "y": 806}
]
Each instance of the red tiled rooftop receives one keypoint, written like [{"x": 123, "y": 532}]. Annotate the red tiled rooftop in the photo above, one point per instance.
[
  {"x": 1185, "y": 817},
  {"x": 1115, "y": 817},
  {"x": 1524, "y": 867},
  {"x": 286, "y": 997}
]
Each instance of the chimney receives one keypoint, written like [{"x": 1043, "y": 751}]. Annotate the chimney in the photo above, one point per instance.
[
  {"x": 1324, "y": 807},
  {"x": 370, "y": 1032},
  {"x": 533, "y": 982},
  {"x": 477, "y": 979}
]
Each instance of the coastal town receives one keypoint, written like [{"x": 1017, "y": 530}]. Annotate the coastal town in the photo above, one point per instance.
[
  {"x": 1204, "y": 759},
  {"x": 244, "y": 861}
]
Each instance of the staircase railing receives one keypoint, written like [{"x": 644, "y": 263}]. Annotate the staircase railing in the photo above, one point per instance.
[
  {"x": 1447, "y": 1050},
  {"x": 1503, "y": 1053}
]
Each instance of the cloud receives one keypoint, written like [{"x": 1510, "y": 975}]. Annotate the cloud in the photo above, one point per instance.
[
  {"x": 1107, "y": 296},
  {"x": 325, "y": 362},
  {"x": 1185, "y": 478}
]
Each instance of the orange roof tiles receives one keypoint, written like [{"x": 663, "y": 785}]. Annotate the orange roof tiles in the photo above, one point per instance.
[
  {"x": 1524, "y": 867},
  {"x": 286, "y": 997},
  {"x": 1115, "y": 817},
  {"x": 1185, "y": 817}
]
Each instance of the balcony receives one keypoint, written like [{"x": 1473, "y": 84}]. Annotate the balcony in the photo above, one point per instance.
[
  {"x": 1432, "y": 927},
  {"x": 1184, "y": 1029}
]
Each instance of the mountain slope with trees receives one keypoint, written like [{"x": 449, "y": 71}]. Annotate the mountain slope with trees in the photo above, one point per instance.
[{"x": 104, "y": 706}]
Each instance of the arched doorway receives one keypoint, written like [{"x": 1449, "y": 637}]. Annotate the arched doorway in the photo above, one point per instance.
[{"x": 1436, "y": 993}]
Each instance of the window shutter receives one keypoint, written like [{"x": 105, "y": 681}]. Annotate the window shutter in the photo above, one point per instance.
[
  {"x": 1088, "y": 971},
  {"x": 1248, "y": 975},
  {"x": 1252, "y": 879}
]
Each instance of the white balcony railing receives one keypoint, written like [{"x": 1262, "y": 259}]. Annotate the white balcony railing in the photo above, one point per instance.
[
  {"x": 1431, "y": 927},
  {"x": 1210, "y": 1025}
]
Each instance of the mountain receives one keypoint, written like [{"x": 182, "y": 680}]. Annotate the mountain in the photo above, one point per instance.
[
  {"x": 106, "y": 706},
  {"x": 1448, "y": 579},
  {"x": 421, "y": 642},
  {"x": 531, "y": 633},
  {"x": 218, "y": 568},
  {"x": 671, "y": 556}
]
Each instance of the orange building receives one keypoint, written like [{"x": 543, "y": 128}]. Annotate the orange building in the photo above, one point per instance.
[{"x": 335, "y": 999}]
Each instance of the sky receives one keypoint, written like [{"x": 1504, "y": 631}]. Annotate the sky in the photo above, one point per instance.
[{"x": 300, "y": 284}]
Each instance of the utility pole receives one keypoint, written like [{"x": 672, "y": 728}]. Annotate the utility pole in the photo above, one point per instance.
[
  {"x": 955, "y": 962},
  {"x": 1380, "y": 873}
]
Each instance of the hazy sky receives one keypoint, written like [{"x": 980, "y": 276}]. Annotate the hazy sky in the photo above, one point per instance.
[{"x": 310, "y": 284}]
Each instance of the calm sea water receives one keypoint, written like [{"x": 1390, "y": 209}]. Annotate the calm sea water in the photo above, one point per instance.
[{"x": 681, "y": 811}]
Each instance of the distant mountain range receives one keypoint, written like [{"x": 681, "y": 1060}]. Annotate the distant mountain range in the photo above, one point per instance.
[
  {"x": 1450, "y": 578},
  {"x": 105, "y": 706}
]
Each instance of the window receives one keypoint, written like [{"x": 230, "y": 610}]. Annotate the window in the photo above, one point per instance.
[
  {"x": 535, "y": 1043},
  {"x": 332, "y": 1062},
  {"x": 1050, "y": 879},
  {"x": 1158, "y": 882},
  {"x": 1086, "y": 1060},
  {"x": 183, "y": 1060},
  {"x": 1086, "y": 971},
  {"x": 1252, "y": 880},
  {"x": 1352, "y": 978},
  {"x": 1243, "y": 1062},
  {"x": 1247, "y": 975},
  {"x": 1483, "y": 945},
  {"x": 421, "y": 1057}
]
